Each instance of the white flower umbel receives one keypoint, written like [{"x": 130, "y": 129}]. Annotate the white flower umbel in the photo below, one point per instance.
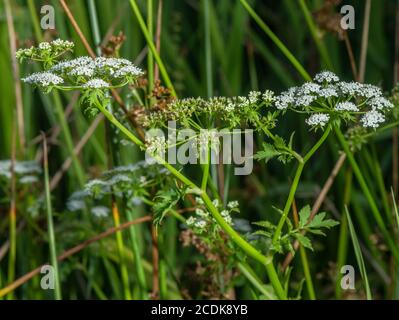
[
  {"x": 96, "y": 84},
  {"x": 128, "y": 71},
  {"x": 43, "y": 79},
  {"x": 318, "y": 119},
  {"x": 326, "y": 77},
  {"x": 370, "y": 91},
  {"x": 346, "y": 106},
  {"x": 156, "y": 146},
  {"x": 286, "y": 98},
  {"x": 380, "y": 103},
  {"x": 372, "y": 119},
  {"x": 328, "y": 97}
]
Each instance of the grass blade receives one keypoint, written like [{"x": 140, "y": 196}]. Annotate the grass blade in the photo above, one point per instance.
[
  {"x": 359, "y": 256},
  {"x": 50, "y": 224}
]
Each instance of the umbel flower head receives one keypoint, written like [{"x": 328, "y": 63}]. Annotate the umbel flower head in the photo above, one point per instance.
[
  {"x": 327, "y": 99},
  {"x": 83, "y": 73},
  {"x": 46, "y": 52}
]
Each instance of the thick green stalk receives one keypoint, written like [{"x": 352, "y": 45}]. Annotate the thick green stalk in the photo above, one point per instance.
[
  {"x": 50, "y": 226},
  {"x": 152, "y": 48},
  {"x": 295, "y": 183},
  {"x": 250, "y": 274},
  {"x": 297, "y": 65},
  {"x": 243, "y": 244},
  {"x": 373, "y": 206}
]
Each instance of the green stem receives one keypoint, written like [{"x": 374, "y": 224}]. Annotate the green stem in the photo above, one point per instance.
[
  {"x": 373, "y": 206},
  {"x": 295, "y": 183},
  {"x": 205, "y": 174},
  {"x": 343, "y": 233},
  {"x": 306, "y": 271},
  {"x": 151, "y": 46},
  {"x": 250, "y": 274},
  {"x": 297, "y": 65},
  {"x": 50, "y": 226}
]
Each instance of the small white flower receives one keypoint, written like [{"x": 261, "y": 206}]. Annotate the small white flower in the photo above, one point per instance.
[
  {"x": 44, "y": 46},
  {"x": 156, "y": 146},
  {"x": 229, "y": 107},
  {"x": 96, "y": 84},
  {"x": 232, "y": 204},
  {"x": 370, "y": 91},
  {"x": 129, "y": 70},
  {"x": 201, "y": 213},
  {"x": 328, "y": 92},
  {"x": 318, "y": 119},
  {"x": 243, "y": 102},
  {"x": 82, "y": 71},
  {"x": 346, "y": 106},
  {"x": 224, "y": 213},
  {"x": 226, "y": 216},
  {"x": 254, "y": 96},
  {"x": 215, "y": 202},
  {"x": 268, "y": 96},
  {"x": 349, "y": 88},
  {"x": 285, "y": 99},
  {"x": 309, "y": 87},
  {"x": 190, "y": 221},
  {"x": 304, "y": 100},
  {"x": 372, "y": 119},
  {"x": 43, "y": 79},
  {"x": 326, "y": 77},
  {"x": 200, "y": 224},
  {"x": 228, "y": 219},
  {"x": 62, "y": 43},
  {"x": 199, "y": 200}
]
